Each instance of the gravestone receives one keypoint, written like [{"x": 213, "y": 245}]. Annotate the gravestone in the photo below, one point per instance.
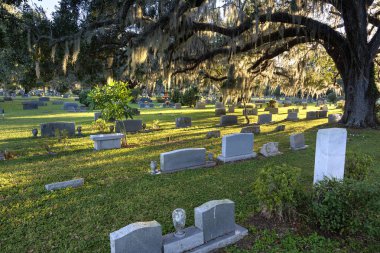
[
  {"x": 292, "y": 116},
  {"x": 324, "y": 108},
  {"x": 220, "y": 112},
  {"x": 322, "y": 114},
  {"x": 273, "y": 110},
  {"x": 8, "y": 99},
  {"x": 49, "y": 129},
  {"x": 330, "y": 153},
  {"x": 312, "y": 115},
  {"x": 97, "y": 115},
  {"x": 334, "y": 118},
  {"x": 213, "y": 134},
  {"x": 215, "y": 218},
  {"x": 139, "y": 237},
  {"x": 183, "y": 122},
  {"x": 66, "y": 184},
  {"x": 69, "y": 106},
  {"x": 200, "y": 105},
  {"x": 29, "y": 106},
  {"x": 293, "y": 110},
  {"x": 287, "y": 103},
  {"x": 66, "y": 96},
  {"x": 237, "y": 147},
  {"x": 250, "y": 111},
  {"x": 58, "y": 102},
  {"x": 219, "y": 105},
  {"x": 265, "y": 119},
  {"x": 189, "y": 158},
  {"x": 44, "y": 99},
  {"x": 231, "y": 109},
  {"x": 129, "y": 126},
  {"x": 228, "y": 120},
  {"x": 255, "y": 129},
  {"x": 107, "y": 141},
  {"x": 270, "y": 149},
  {"x": 297, "y": 141},
  {"x": 304, "y": 105},
  {"x": 280, "y": 128},
  {"x": 178, "y": 105}
]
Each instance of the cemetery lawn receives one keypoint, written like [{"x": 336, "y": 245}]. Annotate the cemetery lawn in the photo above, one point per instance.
[{"x": 118, "y": 189}]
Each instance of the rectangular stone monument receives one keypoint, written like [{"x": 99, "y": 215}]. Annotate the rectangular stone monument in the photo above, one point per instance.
[
  {"x": 312, "y": 115},
  {"x": 193, "y": 238},
  {"x": 250, "y": 111},
  {"x": 129, "y": 126},
  {"x": 219, "y": 105},
  {"x": 265, "y": 119},
  {"x": 29, "y": 106},
  {"x": 97, "y": 115},
  {"x": 273, "y": 110},
  {"x": 183, "y": 122},
  {"x": 297, "y": 142},
  {"x": 200, "y": 105},
  {"x": 181, "y": 159},
  {"x": 213, "y": 134},
  {"x": 220, "y": 111},
  {"x": 236, "y": 147},
  {"x": 322, "y": 114},
  {"x": 61, "y": 185},
  {"x": 139, "y": 237},
  {"x": 49, "y": 129},
  {"x": 292, "y": 116},
  {"x": 255, "y": 129},
  {"x": 44, "y": 99},
  {"x": 69, "y": 106},
  {"x": 107, "y": 141},
  {"x": 330, "y": 153},
  {"x": 228, "y": 120},
  {"x": 231, "y": 109},
  {"x": 177, "y": 105}
]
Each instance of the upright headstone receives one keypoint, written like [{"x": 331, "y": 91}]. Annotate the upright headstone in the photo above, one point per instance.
[
  {"x": 250, "y": 111},
  {"x": 182, "y": 159},
  {"x": 44, "y": 99},
  {"x": 228, "y": 120},
  {"x": 265, "y": 119},
  {"x": 49, "y": 129},
  {"x": 237, "y": 147},
  {"x": 330, "y": 153},
  {"x": 219, "y": 105},
  {"x": 273, "y": 110},
  {"x": 129, "y": 126},
  {"x": 139, "y": 237},
  {"x": 297, "y": 141},
  {"x": 255, "y": 129},
  {"x": 322, "y": 114},
  {"x": 312, "y": 115},
  {"x": 213, "y": 134},
  {"x": 178, "y": 105},
  {"x": 231, "y": 109},
  {"x": 68, "y": 106},
  {"x": 304, "y": 105},
  {"x": 200, "y": 105},
  {"x": 215, "y": 218},
  {"x": 292, "y": 116},
  {"x": 220, "y": 111},
  {"x": 183, "y": 122},
  {"x": 97, "y": 115}
]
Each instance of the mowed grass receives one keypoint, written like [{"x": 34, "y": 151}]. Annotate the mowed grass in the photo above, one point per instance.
[{"x": 118, "y": 188}]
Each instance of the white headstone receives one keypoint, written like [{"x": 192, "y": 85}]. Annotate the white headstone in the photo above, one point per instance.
[{"x": 330, "y": 153}]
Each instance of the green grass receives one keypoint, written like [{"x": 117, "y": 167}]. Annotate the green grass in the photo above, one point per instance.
[{"x": 118, "y": 189}]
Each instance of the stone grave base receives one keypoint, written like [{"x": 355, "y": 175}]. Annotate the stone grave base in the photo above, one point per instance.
[
  {"x": 236, "y": 158},
  {"x": 222, "y": 241},
  {"x": 208, "y": 164},
  {"x": 301, "y": 148}
]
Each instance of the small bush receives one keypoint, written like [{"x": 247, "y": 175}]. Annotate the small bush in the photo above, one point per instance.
[
  {"x": 358, "y": 166},
  {"x": 100, "y": 125},
  {"x": 190, "y": 97},
  {"x": 340, "y": 104},
  {"x": 275, "y": 189},
  {"x": 84, "y": 99},
  {"x": 347, "y": 207},
  {"x": 332, "y": 97},
  {"x": 160, "y": 99},
  {"x": 176, "y": 96},
  {"x": 273, "y": 104}
]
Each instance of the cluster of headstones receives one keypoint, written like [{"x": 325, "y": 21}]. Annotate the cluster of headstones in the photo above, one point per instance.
[{"x": 214, "y": 228}]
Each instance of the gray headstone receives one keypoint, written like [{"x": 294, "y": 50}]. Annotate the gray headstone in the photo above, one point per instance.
[
  {"x": 215, "y": 218},
  {"x": 237, "y": 147},
  {"x": 29, "y": 106},
  {"x": 231, "y": 109},
  {"x": 220, "y": 112},
  {"x": 129, "y": 126},
  {"x": 273, "y": 110},
  {"x": 177, "y": 105},
  {"x": 69, "y": 106},
  {"x": 228, "y": 120},
  {"x": 265, "y": 119},
  {"x": 297, "y": 141},
  {"x": 139, "y": 237},
  {"x": 311, "y": 115},
  {"x": 61, "y": 185},
  {"x": 280, "y": 128},
  {"x": 219, "y": 105},
  {"x": 292, "y": 116},
  {"x": 44, "y": 99},
  {"x": 183, "y": 122},
  {"x": 213, "y": 134},
  {"x": 251, "y": 129},
  {"x": 97, "y": 115},
  {"x": 322, "y": 114},
  {"x": 250, "y": 111},
  {"x": 293, "y": 110},
  {"x": 200, "y": 105},
  {"x": 182, "y": 159},
  {"x": 49, "y": 129}
]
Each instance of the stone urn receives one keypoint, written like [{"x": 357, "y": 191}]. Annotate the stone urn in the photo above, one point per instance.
[
  {"x": 179, "y": 222},
  {"x": 153, "y": 168},
  {"x": 35, "y": 132}
]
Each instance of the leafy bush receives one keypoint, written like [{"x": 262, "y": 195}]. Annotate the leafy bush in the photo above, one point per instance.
[
  {"x": 340, "y": 104},
  {"x": 332, "y": 97},
  {"x": 160, "y": 99},
  {"x": 275, "y": 190},
  {"x": 176, "y": 96},
  {"x": 347, "y": 207},
  {"x": 135, "y": 93},
  {"x": 84, "y": 99},
  {"x": 358, "y": 165},
  {"x": 273, "y": 104},
  {"x": 99, "y": 125},
  {"x": 190, "y": 96}
]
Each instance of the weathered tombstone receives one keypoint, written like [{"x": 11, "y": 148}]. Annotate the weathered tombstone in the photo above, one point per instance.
[
  {"x": 107, "y": 141},
  {"x": 178, "y": 105},
  {"x": 200, "y": 105},
  {"x": 293, "y": 110},
  {"x": 297, "y": 141},
  {"x": 231, "y": 109},
  {"x": 213, "y": 134},
  {"x": 66, "y": 184},
  {"x": 324, "y": 108},
  {"x": 44, "y": 99},
  {"x": 66, "y": 96},
  {"x": 29, "y": 106},
  {"x": 250, "y": 111},
  {"x": 270, "y": 149},
  {"x": 139, "y": 237},
  {"x": 228, "y": 120},
  {"x": 292, "y": 116},
  {"x": 255, "y": 129},
  {"x": 312, "y": 115},
  {"x": 183, "y": 122},
  {"x": 237, "y": 147},
  {"x": 219, "y": 105},
  {"x": 97, "y": 115},
  {"x": 265, "y": 119},
  {"x": 330, "y": 153},
  {"x": 189, "y": 158},
  {"x": 215, "y": 218},
  {"x": 334, "y": 118},
  {"x": 129, "y": 126},
  {"x": 49, "y": 129},
  {"x": 220, "y": 112},
  {"x": 273, "y": 110},
  {"x": 68, "y": 106},
  {"x": 322, "y": 114},
  {"x": 280, "y": 128}
]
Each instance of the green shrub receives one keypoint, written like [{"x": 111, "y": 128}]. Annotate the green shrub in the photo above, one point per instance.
[
  {"x": 160, "y": 100},
  {"x": 273, "y": 104},
  {"x": 190, "y": 96},
  {"x": 358, "y": 165},
  {"x": 347, "y": 207},
  {"x": 99, "y": 125},
  {"x": 275, "y": 189},
  {"x": 84, "y": 99},
  {"x": 340, "y": 104},
  {"x": 332, "y": 97},
  {"x": 176, "y": 96}
]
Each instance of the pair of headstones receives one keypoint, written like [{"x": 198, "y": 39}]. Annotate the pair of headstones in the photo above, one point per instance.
[{"x": 214, "y": 228}]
